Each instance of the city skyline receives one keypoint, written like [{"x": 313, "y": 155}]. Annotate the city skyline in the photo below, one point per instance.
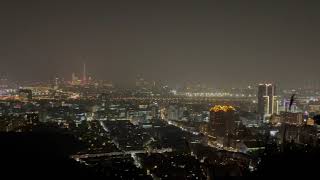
[
  {"x": 84, "y": 76},
  {"x": 159, "y": 89},
  {"x": 217, "y": 43}
]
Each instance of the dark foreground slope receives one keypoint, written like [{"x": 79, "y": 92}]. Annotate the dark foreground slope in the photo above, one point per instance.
[{"x": 41, "y": 155}]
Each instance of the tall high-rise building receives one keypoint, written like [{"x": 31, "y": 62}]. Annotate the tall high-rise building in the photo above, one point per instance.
[
  {"x": 3, "y": 82},
  {"x": 84, "y": 78},
  {"x": 173, "y": 112},
  {"x": 223, "y": 120},
  {"x": 56, "y": 83},
  {"x": 267, "y": 100},
  {"x": 74, "y": 79}
]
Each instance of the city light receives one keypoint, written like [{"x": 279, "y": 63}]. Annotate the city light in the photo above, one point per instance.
[{"x": 159, "y": 89}]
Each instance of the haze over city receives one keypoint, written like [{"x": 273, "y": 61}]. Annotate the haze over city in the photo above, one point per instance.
[
  {"x": 146, "y": 89},
  {"x": 219, "y": 43}
]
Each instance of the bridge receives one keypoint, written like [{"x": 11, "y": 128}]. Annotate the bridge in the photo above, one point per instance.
[{"x": 185, "y": 99}]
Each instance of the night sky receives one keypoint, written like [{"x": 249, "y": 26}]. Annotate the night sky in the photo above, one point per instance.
[{"x": 221, "y": 43}]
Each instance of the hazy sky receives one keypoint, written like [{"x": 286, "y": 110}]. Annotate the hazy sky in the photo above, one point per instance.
[{"x": 218, "y": 42}]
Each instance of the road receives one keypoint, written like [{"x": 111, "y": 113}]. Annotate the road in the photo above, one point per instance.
[{"x": 85, "y": 156}]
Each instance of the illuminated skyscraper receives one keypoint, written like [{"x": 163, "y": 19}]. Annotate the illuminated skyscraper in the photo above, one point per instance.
[
  {"x": 56, "y": 83},
  {"x": 267, "y": 100},
  {"x": 84, "y": 79},
  {"x": 3, "y": 82},
  {"x": 222, "y": 120},
  {"x": 173, "y": 112},
  {"x": 74, "y": 79}
]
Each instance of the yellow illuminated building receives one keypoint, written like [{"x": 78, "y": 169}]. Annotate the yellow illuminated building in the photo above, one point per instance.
[
  {"x": 218, "y": 108},
  {"x": 310, "y": 122}
]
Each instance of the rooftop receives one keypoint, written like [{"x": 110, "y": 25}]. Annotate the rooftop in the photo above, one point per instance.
[{"x": 218, "y": 108}]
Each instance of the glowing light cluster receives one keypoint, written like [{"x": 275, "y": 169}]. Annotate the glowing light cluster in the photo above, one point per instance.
[{"x": 218, "y": 108}]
